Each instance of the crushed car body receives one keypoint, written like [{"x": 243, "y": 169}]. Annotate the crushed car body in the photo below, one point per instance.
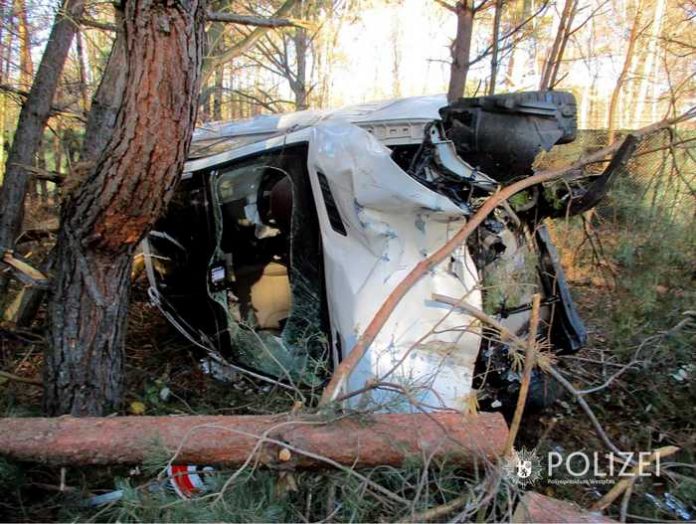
[{"x": 287, "y": 233}]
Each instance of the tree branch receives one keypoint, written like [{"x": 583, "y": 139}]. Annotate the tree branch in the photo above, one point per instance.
[
  {"x": 54, "y": 109},
  {"x": 95, "y": 24},
  {"x": 246, "y": 44},
  {"x": 447, "y": 6},
  {"x": 257, "y": 21},
  {"x": 215, "y": 16},
  {"x": 17, "y": 378}
]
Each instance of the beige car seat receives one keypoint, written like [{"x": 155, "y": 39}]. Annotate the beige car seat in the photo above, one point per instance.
[{"x": 270, "y": 296}]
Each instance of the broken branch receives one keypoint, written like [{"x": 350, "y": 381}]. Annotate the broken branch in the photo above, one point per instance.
[
  {"x": 529, "y": 363},
  {"x": 17, "y": 378},
  {"x": 505, "y": 334},
  {"x": 625, "y": 483},
  {"x": 535, "y": 507},
  {"x": 585, "y": 407},
  {"x": 23, "y": 271}
]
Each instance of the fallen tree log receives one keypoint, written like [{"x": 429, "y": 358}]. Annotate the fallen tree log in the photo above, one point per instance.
[{"x": 282, "y": 440}]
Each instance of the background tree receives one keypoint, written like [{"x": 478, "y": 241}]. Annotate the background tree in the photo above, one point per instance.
[
  {"x": 500, "y": 44},
  {"x": 499, "y": 4},
  {"x": 293, "y": 55},
  {"x": 32, "y": 119},
  {"x": 623, "y": 76},
  {"x": 555, "y": 56},
  {"x": 461, "y": 47}
]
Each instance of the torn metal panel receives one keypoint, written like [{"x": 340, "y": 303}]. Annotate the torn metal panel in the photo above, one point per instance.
[
  {"x": 576, "y": 200},
  {"x": 392, "y": 222},
  {"x": 394, "y": 122},
  {"x": 568, "y": 329},
  {"x": 502, "y": 134}
]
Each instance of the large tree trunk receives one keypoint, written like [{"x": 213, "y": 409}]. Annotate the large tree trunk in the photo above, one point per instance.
[
  {"x": 461, "y": 50},
  {"x": 32, "y": 120},
  {"x": 117, "y": 204}
]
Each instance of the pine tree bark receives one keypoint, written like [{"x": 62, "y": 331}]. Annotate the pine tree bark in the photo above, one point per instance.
[
  {"x": 361, "y": 441},
  {"x": 32, "y": 120},
  {"x": 461, "y": 50},
  {"x": 118, "y": 202},
  {"x": 106, "y": 101}
]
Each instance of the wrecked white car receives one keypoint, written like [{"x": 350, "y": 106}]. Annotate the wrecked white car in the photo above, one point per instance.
[{"x": 288, "y": 232}]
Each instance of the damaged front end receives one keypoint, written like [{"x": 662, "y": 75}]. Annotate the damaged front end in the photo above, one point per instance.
[{"x": 279, "y": 257}]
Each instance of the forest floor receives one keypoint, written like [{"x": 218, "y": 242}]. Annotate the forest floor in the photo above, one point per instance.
[{"x": 631, "y": 272}]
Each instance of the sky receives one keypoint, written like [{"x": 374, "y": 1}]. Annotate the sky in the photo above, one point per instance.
[{"x": 422, "y": 32}]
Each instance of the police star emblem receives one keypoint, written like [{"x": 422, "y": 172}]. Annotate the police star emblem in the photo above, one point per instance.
[{"x": 522, "y": 467}]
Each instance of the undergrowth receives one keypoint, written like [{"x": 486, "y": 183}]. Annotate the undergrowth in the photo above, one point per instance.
[{"x": 631, "y": 267}]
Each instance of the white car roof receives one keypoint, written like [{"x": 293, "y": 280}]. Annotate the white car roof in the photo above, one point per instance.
[{"x": 399, "y": 121}]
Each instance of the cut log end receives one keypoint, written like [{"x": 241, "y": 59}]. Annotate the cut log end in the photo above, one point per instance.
[{"x": 535, "y": 507}]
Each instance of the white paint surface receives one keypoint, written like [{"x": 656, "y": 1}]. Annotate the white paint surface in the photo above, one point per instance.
[{"x": 392, "y": 223}]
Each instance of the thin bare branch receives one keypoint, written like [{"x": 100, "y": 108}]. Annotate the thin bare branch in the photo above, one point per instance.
[
  {"x": 256, "y": 21},
  {"x": 17, "y": 378}
]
